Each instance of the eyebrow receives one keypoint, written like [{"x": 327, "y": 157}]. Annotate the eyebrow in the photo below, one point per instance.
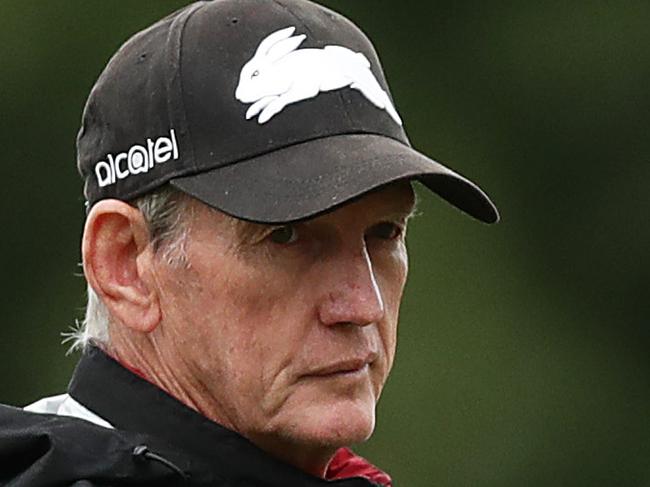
[
  {"x": 247, "y": 232},
  {"x": 415, "y": 208},
  {"x": 406, "y": 212}
]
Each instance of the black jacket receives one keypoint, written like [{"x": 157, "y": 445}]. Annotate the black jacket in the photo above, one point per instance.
[{"x": 157, "y": 441}]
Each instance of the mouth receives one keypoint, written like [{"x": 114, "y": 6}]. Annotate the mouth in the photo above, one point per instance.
[{"x": 344, "y": 368}]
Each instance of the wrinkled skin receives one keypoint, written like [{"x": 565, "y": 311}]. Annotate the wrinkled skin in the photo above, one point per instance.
[{"x": 285, "y": 334}]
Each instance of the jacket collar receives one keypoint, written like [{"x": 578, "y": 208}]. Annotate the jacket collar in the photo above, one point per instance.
[{"x": 130, "y": 403}]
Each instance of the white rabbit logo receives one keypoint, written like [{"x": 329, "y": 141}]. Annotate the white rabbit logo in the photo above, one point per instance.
[{"x": 279, "y": 74}]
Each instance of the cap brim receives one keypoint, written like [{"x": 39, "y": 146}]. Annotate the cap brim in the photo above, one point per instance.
[{"x": 306, "y": 179}]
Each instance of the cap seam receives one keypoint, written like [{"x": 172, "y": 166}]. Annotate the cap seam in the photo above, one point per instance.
[{"x": 177, "y": 111}]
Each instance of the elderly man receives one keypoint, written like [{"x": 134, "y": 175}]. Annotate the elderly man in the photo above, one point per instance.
[{"x": 249, "y": 185}]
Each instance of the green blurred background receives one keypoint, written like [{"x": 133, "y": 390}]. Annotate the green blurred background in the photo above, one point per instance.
[{"x": 524, "y": 346}]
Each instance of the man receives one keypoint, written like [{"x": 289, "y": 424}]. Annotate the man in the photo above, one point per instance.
[{"x": 248, "y": 183}]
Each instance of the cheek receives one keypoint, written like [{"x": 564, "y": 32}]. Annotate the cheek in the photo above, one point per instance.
[
  {"x": 391, "y": 273},
  {"x": 241, "y": 322},
  {"x": 391, "y": 269}
]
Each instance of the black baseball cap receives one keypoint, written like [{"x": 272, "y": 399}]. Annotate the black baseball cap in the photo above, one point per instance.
[{"x": 271, "y": 111}]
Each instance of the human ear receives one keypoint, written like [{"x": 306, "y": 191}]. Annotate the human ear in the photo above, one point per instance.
[{"x": 118, "y": 264}]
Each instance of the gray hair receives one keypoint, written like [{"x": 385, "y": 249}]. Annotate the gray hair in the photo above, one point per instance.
[{"x": 167, "y": 215}]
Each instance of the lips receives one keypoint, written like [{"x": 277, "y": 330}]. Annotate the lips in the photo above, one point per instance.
[{"x": 344, "y": 367}]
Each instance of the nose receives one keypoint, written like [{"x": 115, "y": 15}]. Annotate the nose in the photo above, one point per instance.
[{"x": 350, "y": 293}]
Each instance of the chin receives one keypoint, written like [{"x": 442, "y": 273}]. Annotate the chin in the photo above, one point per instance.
[{"x": 334, "y": 423}]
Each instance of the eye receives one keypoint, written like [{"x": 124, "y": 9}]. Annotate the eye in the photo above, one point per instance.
[
  {"x": 386, "y": 231},
  {"x": 284, "y": 235},
  {"x": 255, "y": 73}
]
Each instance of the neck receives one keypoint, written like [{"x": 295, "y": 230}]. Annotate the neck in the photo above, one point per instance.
[{"x": 138, "y": 354}]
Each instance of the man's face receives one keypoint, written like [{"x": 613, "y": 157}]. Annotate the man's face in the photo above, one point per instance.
[{"x": 289, "y": 333}]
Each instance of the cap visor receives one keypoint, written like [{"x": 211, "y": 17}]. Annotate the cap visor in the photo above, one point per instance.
[{"x": 306, "y": 179}]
